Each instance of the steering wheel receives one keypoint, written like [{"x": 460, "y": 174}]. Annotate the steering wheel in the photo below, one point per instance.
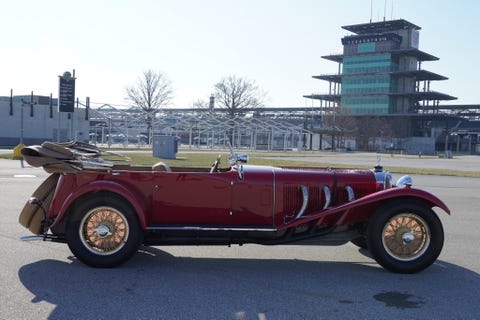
[{"x": 215, "y": 165}]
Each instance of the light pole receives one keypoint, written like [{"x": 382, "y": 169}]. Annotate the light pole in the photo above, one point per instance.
[
  {"x": 31, "y": 103},
  {"x": 446, "y": 142}
]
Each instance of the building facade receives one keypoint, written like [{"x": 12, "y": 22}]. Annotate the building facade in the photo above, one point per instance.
[
  {"x": 32, "y": 119},
  {"x": 380, "y": 71},
  {"x": 380, "y": 76}
]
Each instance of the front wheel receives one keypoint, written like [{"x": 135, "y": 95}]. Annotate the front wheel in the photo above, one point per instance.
[
  {"x": 103, "y": 231},
  {"x": 405, "y": 237}
]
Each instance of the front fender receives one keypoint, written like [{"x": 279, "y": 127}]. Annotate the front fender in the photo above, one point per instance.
[
  {"x": 427, "y": 197},
  {"x": 101, "y": 185},
  {"x": 400, "y": 192},
  {"x": 346, "y": 213}
]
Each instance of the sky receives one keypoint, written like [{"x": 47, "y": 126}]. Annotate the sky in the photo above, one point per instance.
[{"x": 276, "y": 43}]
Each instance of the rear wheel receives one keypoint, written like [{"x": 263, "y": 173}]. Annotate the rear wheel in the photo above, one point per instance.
[
  {"x": 405, "y": 237},
  {"x": 103, "y": 231}
]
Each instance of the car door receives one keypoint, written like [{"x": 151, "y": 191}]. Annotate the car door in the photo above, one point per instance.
[
  {"x": 192, "y": 198},
  {"x": 253, "y": 197}
]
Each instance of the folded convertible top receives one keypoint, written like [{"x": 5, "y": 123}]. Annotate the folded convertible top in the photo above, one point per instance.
[{"x": 68, "y": 157}]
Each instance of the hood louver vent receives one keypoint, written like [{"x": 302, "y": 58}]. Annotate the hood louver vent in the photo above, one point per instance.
[{"x": 293, "y": 199}]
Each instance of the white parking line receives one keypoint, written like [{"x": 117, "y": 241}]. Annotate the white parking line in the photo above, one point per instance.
[{"x": 24, "y": 176}]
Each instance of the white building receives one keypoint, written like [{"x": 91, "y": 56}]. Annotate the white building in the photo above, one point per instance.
[{"x": 35, "y": 119}]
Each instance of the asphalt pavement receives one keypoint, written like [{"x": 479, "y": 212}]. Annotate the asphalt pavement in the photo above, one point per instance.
[
  {"x": 458, "y": 162},
  {"x": 42, "y": 280}
]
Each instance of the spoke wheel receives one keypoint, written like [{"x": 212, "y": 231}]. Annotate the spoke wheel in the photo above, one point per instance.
[
  {"x": 104, "y": 230},
  {"x": 405, "y": 236}
]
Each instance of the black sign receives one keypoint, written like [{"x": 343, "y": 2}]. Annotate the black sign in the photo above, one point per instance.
[{"x": 66, "y": 100}]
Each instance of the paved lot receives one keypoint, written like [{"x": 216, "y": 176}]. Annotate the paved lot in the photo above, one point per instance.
[
  {"x": 460, "y": 163},
  {"x": 40, "y": 280}
]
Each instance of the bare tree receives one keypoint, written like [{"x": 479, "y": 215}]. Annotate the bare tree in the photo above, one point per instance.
[
  {"x": 201, "y": 106},
  {"x": 369, "y": 129},
  {"x": 151, "y": 92},
  {"x": 236, "y": 94}
]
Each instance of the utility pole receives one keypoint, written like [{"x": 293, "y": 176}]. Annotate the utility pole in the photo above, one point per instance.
[
  {"x": 11, "y": 102},
  {"x": 31, "y": 103}
]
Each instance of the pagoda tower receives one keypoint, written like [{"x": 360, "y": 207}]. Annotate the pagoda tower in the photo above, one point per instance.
[{"x": 380, "y": 72}]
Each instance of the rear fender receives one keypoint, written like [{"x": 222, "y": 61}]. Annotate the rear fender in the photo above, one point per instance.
[
  {"x": 135, "y": 200},
  {"x": 346, "y": 212}
]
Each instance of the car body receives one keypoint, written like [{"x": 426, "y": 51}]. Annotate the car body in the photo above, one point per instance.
[{"x": 105, "y": 213}]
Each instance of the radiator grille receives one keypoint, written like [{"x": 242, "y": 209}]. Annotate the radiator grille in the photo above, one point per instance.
[{"x": 292, "y": 199}]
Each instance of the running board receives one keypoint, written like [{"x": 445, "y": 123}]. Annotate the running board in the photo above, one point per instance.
[
  {"x": 47, "y": 237},
  {"x": 198, "y": 228}
]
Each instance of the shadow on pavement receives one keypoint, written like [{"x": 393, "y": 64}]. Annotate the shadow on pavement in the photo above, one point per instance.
[{"x": 157, "y": 285}]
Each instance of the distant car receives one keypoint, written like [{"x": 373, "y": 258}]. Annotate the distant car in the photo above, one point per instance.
[{"x": 104, "y": 212}]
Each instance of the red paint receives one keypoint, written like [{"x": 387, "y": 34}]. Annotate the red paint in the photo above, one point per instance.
[{"x": 260, "y": 198}]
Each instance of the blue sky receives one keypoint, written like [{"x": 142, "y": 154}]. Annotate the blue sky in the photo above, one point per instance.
[{"x": 277, "y": 43}]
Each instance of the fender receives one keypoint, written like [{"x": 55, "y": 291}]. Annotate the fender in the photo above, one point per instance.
[
  {"x": 399, "y": 192},
  {"x": 101, "y": 185},
  {"x": 371, "y": 201}
]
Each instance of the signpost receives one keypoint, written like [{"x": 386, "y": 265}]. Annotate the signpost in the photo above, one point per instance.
[{"x": 66, "y": 96}]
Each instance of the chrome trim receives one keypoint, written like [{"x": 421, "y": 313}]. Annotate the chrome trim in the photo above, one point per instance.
[
  {"x": 404, "y": 181},
  {"x": 384, "y": 177},
  {"x": 196, "y": 228},
  {"x": 388, "y": 180},
  {"x": 274, "y": 191},
  {"x": 241, "y": 157},
  {"x": 350, "y": 193},
  {"x": 240, "y": 172},
  {"x": 305, "y": 202},
  {"x": 234, "y": 157},
  {"x": 328, "y": 196},
  {"x": 408, "y": 238},
  {"x": 32, "y": 238},
  {"x": 44, "y": 237}
]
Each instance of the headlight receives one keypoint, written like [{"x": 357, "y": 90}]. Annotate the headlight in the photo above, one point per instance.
[
  {"x": 405, "y": 181},
  {"x": 384, "y": 179}
]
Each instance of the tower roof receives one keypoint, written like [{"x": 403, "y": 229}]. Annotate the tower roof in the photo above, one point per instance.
[
  {"x": 420, "y": 55},
  {"x": 381, "y": 27}
]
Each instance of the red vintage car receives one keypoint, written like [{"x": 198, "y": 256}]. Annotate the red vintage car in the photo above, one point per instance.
[{"x": 104, "y": 212}]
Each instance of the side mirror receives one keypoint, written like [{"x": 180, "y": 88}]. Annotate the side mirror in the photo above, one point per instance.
[
  {"x": 243, "y": 158},
  {"x": 237, "y": 158}
]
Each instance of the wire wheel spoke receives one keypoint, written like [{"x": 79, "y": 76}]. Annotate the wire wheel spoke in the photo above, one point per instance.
[
  {"x": 104, "y": 230},
  {"x": 406, "y": 236}
]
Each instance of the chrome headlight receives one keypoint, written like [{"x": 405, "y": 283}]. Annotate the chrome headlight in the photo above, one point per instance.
[
  {"x": 405, "y": 181},
  {"x": 384, "y": 178}
]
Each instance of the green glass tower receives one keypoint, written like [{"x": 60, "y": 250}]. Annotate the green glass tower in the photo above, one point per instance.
[{"x": 380, "y": 72}]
